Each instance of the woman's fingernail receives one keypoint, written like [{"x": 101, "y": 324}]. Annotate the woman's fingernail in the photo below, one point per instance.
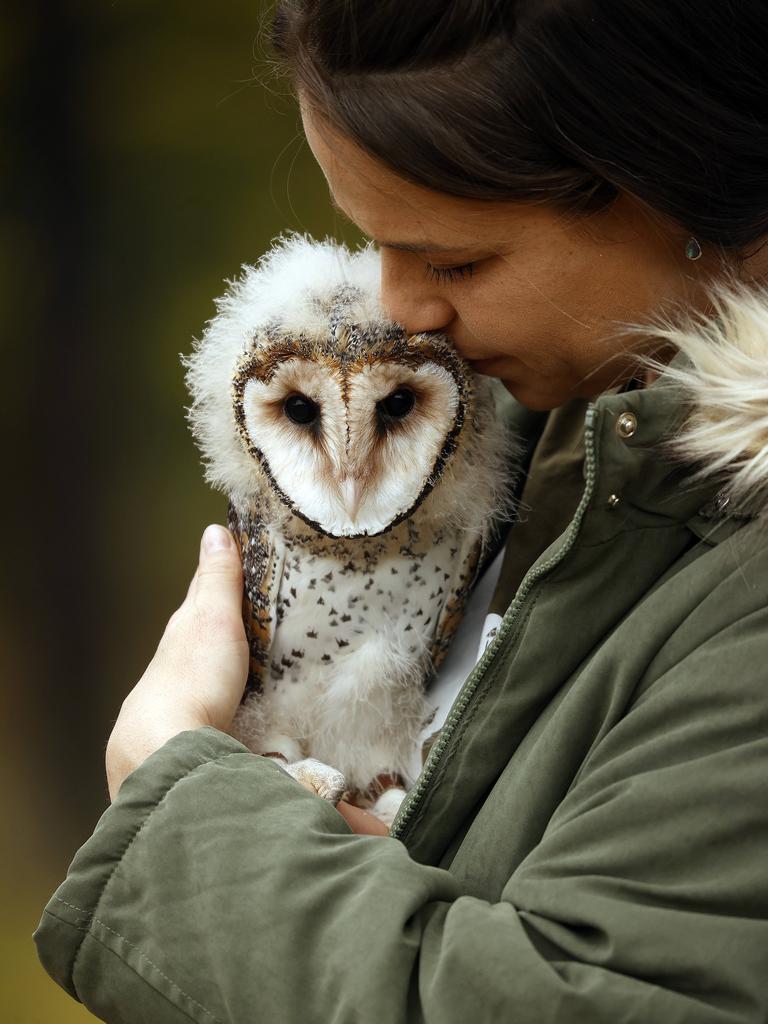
[{"x": 216, "y": 538}]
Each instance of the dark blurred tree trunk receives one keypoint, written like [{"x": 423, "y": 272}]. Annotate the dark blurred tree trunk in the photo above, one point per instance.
[{"x": 58, "y": 598}]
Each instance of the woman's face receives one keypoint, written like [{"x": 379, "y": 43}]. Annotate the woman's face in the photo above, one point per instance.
[{"x": 526, "y": 293}]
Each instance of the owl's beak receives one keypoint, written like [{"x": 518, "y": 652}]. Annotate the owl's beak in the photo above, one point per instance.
[{"x": 352, "y": 494}]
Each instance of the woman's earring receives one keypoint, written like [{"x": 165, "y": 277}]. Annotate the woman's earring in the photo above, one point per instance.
[{"x": 692, "y": 249}]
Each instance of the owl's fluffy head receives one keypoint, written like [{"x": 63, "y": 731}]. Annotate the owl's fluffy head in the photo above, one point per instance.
[{"x": 308, "y": 401}]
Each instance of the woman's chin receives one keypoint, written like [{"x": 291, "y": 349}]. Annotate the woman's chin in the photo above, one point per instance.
[
  {"x": 537, "y": 395},
  {"x": 536, "y": 399}
]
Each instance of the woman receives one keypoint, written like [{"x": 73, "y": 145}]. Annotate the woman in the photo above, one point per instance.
[{"x": 588, "y": 839}]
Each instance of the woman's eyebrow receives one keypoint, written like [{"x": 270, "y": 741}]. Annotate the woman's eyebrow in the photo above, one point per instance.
[
  {"x": 421, "y": 247},
  {"x": 402, "y": 246}
]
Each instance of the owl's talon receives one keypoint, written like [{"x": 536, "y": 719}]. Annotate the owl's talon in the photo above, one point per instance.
[{"x": 328, "y": 782}]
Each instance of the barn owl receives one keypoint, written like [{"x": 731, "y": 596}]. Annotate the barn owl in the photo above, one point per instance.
[{"x": 364, "y": 467}]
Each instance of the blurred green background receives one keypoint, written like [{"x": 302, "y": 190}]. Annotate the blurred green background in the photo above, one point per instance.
[{"x": 149, "y": 151}]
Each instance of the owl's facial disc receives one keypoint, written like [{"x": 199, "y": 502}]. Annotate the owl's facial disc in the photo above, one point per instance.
[
  {"x": 400, "y": 419},
  {"x": 350, "y": 449}
]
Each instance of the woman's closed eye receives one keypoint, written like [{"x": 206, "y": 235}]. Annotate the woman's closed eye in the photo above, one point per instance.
[{"x": 449, "y": 274}]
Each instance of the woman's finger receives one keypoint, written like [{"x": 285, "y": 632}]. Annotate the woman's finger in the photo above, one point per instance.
[
  {"x": 361, "y": 821},
  {"x": 219, "y": 576}
]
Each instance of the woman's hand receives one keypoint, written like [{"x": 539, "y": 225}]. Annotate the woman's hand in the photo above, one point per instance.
[
  {"x": 198, "y": 673},
  {"x": 361, "y": 821}
]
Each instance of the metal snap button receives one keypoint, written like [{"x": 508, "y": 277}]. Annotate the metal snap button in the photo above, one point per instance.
[
  {"x": 613, "y": 501},
  {"x": 626, "y": 424}
]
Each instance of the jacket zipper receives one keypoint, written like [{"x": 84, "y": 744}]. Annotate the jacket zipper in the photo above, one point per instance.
[{"x": 410, "y": 803}]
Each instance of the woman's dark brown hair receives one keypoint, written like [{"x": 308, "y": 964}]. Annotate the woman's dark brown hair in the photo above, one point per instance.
[{"x": 561, "y": 101}]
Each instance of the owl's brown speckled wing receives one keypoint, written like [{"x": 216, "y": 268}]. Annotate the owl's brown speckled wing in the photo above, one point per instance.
[
  {"x": 262, "y": 571},
  {"x": 460, "y": 586}
]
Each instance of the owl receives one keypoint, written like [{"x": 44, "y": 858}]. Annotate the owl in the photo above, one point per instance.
[{"x": 364, "y": 467}]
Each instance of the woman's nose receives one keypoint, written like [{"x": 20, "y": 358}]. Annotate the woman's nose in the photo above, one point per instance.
[{"x": 409, "y": 297}]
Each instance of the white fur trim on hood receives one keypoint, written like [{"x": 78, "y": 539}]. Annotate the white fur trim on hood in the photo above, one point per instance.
[{"x": 724, "y": 375}]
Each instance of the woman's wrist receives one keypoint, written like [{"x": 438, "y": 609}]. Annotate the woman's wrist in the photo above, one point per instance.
[{"x": 140, "y": 730}]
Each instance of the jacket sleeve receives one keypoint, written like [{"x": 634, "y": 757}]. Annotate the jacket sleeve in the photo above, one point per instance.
[{"x": 215, "y": 889}]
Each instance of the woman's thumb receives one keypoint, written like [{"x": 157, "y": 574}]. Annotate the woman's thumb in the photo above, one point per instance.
[
  {"x": 216, "y": 538},
  {"x": 220, "y": 573}
]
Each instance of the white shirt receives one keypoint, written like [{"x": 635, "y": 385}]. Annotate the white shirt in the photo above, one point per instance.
[{"x": 466, "y": 648}]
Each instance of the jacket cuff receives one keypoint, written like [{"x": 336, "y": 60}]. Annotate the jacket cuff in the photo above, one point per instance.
[{"x": 69, "y": 913}]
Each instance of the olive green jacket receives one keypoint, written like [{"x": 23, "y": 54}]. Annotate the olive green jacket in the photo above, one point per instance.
[{"x": 588, "y": 840}]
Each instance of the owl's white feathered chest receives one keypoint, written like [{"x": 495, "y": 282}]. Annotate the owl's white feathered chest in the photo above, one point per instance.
[
  {"x": 326, "y": 608},
  {"x": 353, "y": 626}
]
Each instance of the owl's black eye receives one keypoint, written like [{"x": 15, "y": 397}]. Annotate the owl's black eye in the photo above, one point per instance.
[
  {"x": 300, "y": 409},
  {"x": 398, "y": 404}
]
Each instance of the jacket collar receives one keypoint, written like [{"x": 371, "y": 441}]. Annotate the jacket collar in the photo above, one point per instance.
[{"x": 694, "y": 445}]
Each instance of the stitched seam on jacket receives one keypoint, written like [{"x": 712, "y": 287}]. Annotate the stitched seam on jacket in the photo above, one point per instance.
[
  {"x": 494, "y": 669},
  {"x": 143, "y": 956},
  {"x": 91, "y": 916}
]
